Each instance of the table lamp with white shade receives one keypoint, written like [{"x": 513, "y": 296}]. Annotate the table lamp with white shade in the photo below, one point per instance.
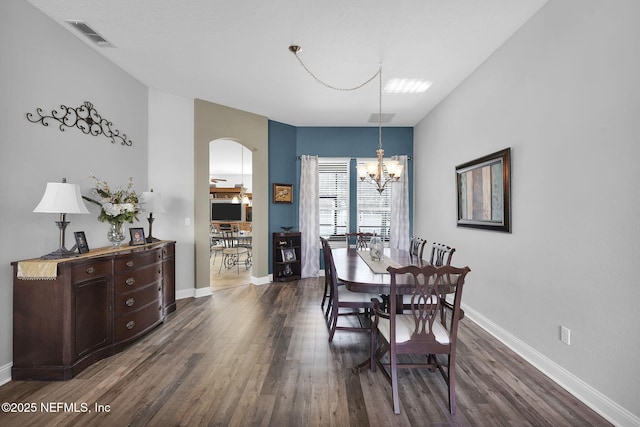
[
  {"x": 62, "y": 198},
  {"x": 151, "y": 202}
]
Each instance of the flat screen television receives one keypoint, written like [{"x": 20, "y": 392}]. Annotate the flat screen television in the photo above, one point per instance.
[{"x": 231, "y": 212}]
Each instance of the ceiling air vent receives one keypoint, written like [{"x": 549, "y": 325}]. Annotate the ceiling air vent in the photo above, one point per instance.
[
  {"x": 386, "y": 117},
  {"x": 90, "y": 33}
]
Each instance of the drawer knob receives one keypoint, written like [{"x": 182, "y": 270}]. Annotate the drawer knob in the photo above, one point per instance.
[
  {"x": 130, "y": 281},
  {"x": 130, "y": 302},
  {"x": 129, "y": 263},
  {"x": 90, "y": 270},
  {"x": 130, "y": 324}
]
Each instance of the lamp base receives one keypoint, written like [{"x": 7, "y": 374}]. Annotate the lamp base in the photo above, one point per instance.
[
  {"x": 59, "y": 254},
  {"x": 152, "y": 239}
]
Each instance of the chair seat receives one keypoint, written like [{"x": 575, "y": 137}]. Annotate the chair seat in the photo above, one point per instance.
[
  {"x": 405, "y": 326},
  {"x": 345, "y": 295},
  {"x": 235, "y": 251}
]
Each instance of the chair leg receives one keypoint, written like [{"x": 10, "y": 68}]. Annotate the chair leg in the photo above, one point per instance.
[
  {"x": 451, "y": 382},
  {"x": 373, "y": 349},
  {"x": 394, "y": 382}
]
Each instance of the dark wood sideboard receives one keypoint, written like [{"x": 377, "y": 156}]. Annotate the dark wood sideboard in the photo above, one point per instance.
[{"x": 93, "y": 307}]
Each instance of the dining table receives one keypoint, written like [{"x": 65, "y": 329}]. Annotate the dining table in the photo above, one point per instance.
[{"x": 360, "y": 273}]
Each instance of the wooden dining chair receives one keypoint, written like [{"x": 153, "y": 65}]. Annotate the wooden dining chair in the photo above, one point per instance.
[
  {"x": 326, "y": 295},
  {"x": 356, "y": 303},
  {"x": 416, "y": 247},
  {"x": 423, "y": 331},
  {"x": 441, "y": 254},
  {"x": 358, "y": 240}
]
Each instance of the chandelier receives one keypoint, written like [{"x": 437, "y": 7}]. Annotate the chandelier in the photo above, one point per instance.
[{"x": 379, "y": 172}]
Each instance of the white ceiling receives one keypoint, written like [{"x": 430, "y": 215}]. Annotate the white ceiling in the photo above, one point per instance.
[{"x": 236, "y": 53}]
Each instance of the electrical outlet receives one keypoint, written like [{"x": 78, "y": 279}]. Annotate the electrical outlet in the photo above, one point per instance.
[
  {"x": 565, "y": 335},
  {"x": 187, "y": 221}
]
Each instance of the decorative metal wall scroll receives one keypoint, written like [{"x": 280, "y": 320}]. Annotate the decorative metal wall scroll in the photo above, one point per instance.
[{"x": 85, "y": 118}]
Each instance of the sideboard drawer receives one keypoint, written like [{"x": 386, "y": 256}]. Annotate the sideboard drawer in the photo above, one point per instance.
[
  {"x": 137, "y": 260},
  {"x": 168, "y": 251},
  {"x": 129, "y": 281},
  {"x": 132, "y": 324},
  {"x": 132, "y": 301},
  {"x": 90, "y": 270}
]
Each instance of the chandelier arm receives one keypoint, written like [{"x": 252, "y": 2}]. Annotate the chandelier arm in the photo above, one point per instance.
[{"x": 317, "y": 79}]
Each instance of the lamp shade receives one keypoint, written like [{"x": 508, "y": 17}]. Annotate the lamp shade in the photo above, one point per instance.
[
  {"x": 61, "y": 197},
  {"x": 151, "y": 201}
]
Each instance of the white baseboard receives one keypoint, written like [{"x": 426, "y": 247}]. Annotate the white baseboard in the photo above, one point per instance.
[
  {"x": 5, "y": 373},
  {"x": 261, "y": 280},
  {"x": 202, "y": 292},
  {"x": 591, "y": 397},
  {"x": 185, "y": 293}
]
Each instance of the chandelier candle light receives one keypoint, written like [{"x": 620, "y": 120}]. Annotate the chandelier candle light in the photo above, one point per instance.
[{"x": 380, "y": 172}]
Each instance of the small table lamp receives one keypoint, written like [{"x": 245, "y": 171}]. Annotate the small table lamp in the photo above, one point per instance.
[
  {"x": 151, "y": 202},
  {"x": 62, "y": 198}
]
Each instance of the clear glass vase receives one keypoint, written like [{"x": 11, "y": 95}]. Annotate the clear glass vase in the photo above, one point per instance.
[
  {"x": 115, "y": 234},
  {"x": 375, "y": 248}
]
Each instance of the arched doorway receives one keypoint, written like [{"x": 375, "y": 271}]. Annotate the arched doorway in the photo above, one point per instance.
[{"x": 230, "y": 196}]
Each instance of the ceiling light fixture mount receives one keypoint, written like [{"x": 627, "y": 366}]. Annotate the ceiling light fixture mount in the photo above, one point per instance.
[{"x": 380, "y": 172}]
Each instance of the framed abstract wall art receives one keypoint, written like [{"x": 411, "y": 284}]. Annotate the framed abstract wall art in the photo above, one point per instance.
[{"x": 484, "y": 192}]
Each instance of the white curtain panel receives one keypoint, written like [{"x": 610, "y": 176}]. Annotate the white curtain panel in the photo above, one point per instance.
[
  {"x": 399, "y": 238},
  {"x": 309, "y": 214}
]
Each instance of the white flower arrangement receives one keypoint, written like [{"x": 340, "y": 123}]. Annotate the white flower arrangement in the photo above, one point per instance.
[{"x": 118, "y": 206}]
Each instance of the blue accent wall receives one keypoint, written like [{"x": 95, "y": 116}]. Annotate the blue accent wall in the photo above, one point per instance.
[
  {"x": 287, "y": 143},
  {"x": 282, "y": 170}
]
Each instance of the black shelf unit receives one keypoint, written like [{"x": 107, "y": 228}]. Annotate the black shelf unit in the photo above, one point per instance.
[{"x": 286, "y": 256}]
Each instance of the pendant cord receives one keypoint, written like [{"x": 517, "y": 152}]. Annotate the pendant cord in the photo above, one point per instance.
[
  {"x": 380, "y": 107},
  {"x": 382, "y": 174},
  {"x": 317, "y": 79}
]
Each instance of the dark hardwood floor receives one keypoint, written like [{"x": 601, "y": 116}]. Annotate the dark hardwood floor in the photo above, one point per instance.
[{"x": 258, "y": 355}]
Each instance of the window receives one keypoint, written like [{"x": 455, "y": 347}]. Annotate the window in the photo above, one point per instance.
[
  {"x": 373, "y": 208},
  {"x": 333, "y": 178},
  {"x": 369, "y": 210}
]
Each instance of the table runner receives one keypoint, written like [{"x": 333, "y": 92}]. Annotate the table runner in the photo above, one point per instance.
[
  {"x": 378, "y": 267},
  {"x": 47, "y": 269}
]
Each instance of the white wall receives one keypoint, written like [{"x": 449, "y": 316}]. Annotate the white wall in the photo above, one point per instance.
[
  {"x": 44, "y": 65},
  {"x": 171, "y": 173},
  {"x": 564, "y": 93}
]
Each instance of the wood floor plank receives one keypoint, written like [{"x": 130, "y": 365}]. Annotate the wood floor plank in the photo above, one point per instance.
[{"x": 259, "y": 355}]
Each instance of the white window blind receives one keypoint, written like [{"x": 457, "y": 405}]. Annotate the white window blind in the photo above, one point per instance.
[
  {"x": 374, "y": 209},
  {"x": 334, "y": 197}
]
